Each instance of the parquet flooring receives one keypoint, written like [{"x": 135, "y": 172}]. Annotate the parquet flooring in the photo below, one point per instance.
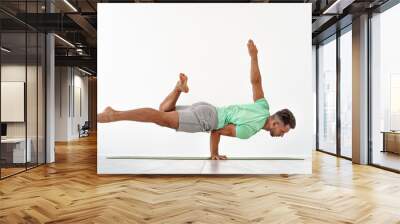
[{"x": 70, "y": 191}]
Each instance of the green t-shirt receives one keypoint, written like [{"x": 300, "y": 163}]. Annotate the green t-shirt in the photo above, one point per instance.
[{"x": 248, "y": 118}]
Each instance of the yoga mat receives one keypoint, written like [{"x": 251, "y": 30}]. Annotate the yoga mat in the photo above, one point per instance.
[{"x": 201, "y": 158}]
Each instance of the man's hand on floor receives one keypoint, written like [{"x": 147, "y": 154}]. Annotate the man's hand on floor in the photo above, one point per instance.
[{"x": 218, "y": 157}]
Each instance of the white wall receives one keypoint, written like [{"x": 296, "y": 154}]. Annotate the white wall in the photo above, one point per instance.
[
  {"x": 138, "y": 67},
  {"x": 67, "y": 80},
  {"x": 80, "y": 84},
  {"x": 61, "y": 103}
]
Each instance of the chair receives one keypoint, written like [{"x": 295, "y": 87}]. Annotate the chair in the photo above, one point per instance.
[{"x": 84, "y": 130}]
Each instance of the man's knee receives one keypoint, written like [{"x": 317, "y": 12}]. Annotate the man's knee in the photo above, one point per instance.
[
  {"x": 168, "y": 119},
  {"x": 161, "y": 108}
]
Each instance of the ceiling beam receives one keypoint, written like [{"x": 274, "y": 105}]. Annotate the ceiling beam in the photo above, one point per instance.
[
  {"x": 83, "y": 61},
  {"x": 86, "y": 26}
]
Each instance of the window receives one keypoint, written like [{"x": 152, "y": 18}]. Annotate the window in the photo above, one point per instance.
[
  {"x": 385, "y": 88},
  {"x": 327, "y": 96},
  {"x": 346, "y": 93},
  {"x": 22, "y": 77}
]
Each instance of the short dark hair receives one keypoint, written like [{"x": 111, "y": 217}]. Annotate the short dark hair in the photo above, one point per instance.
[{"x": 287, "y": 117}]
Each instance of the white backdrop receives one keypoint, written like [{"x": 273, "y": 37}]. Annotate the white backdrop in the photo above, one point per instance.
[{"x": 143, "y": 47}]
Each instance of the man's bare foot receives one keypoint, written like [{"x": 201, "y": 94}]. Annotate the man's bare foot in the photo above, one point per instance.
[
  {"x": 106, "y": 116},
  {"x": 181, "y": 85}
]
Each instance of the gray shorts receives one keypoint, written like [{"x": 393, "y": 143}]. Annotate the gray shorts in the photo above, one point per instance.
[{"x": 198, "y": 117}]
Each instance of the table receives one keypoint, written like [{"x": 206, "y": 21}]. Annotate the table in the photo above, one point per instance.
[
  {"x": 391, "y": 141},
  {"x": 18, "y": 151}
]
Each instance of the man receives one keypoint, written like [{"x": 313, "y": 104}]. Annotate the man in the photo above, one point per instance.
[{"x": 242, "y": 121}]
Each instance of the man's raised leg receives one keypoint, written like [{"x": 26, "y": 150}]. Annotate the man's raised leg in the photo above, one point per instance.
[{"x": 165, "y": 117}]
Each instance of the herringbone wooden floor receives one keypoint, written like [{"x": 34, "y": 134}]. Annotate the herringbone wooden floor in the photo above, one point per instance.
[{"x": 70, "y": 191}]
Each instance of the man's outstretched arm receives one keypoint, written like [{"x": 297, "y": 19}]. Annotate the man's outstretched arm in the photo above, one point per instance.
[
  {"x": 215, "y": 136},
  {"x": 255, "y": 75}
]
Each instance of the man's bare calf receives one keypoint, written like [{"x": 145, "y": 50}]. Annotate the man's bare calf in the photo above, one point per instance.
[
  {"x": 165, "y": 119},
  {"x": 169, "y": 102}
]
